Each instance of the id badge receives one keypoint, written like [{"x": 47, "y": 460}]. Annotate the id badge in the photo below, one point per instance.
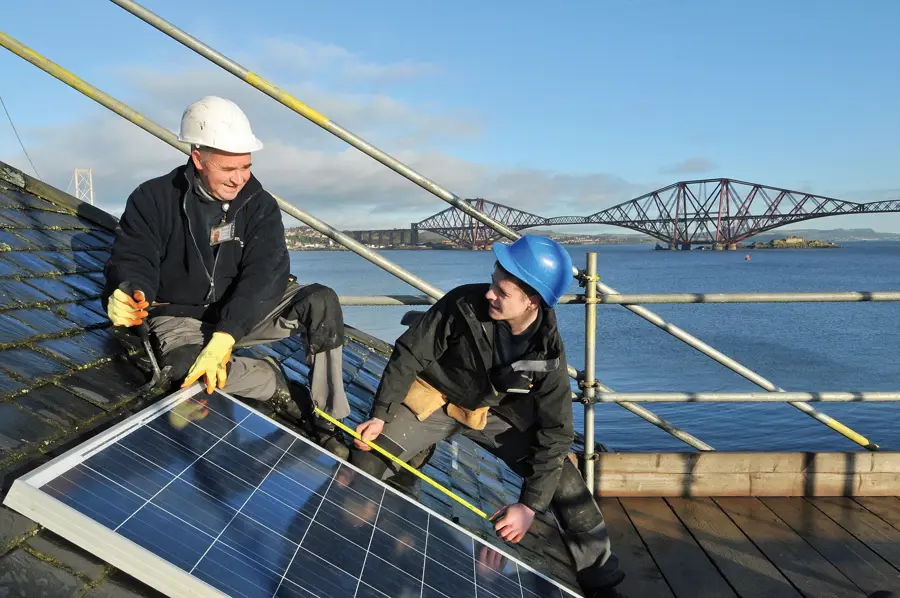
[{"x": 221, "y": 234}]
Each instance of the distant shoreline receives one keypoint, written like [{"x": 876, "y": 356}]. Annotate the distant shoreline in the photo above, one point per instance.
[
  {"x": 812, "y": 244},
  {"x": 306, "y": 239},
  {"x": 448, "y": 248}
]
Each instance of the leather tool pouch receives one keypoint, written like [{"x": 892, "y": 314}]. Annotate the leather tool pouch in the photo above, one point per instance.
[{"x": 423, "y": 400}]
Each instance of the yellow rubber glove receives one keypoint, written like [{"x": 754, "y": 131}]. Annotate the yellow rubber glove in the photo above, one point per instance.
[
  {"x": 124, "y": 310},
  {"x": 211, "y": 362}
]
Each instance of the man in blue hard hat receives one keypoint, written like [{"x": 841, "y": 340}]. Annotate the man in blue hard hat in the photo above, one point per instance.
[{"x": 487, "y": 361}]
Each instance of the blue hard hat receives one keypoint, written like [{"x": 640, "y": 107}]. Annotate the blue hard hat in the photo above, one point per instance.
[{"x": 539, "y": 262}]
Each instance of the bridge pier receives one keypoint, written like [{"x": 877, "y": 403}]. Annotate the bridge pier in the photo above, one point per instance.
[
  {"x": 732, "y": 247},
  {"x": 685, "y": 246}
]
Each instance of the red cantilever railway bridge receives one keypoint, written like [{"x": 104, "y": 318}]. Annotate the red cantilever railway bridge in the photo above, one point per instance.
[{"x": 714, "y": 212}]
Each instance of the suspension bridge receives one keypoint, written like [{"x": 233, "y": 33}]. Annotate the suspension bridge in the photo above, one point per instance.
[{"x": 716, "y": 212}]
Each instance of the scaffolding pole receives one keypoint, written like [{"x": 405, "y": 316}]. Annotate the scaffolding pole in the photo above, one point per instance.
[
  {"x": 590, "y": 357},
  {"x": 666, "y": 298},
  {"x": 746, "y": 397}
]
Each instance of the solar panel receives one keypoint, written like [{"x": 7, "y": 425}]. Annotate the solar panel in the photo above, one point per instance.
[{"x": 199, "y": 495}]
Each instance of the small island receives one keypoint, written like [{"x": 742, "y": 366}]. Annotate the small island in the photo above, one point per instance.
[{"x": 793, "y": 243}]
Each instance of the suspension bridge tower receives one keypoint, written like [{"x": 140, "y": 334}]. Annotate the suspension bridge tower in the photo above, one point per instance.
[{"x": 84, "y": 184}]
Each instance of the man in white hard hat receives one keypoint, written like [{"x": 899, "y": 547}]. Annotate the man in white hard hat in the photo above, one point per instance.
[{"x": 200, "y": 252}]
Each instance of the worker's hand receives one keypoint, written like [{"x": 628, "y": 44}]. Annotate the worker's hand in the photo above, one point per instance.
[
  {"x": 369, "y": 430},
  {"x": 211, "y": 362},
  {"x": 125, "y": 310},
  {"x": 514, "y": 523}
]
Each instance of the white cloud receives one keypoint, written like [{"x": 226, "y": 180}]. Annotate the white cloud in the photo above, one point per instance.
[
  {"x": 328, "y": 61},
  {"x": 304, "y": 164}
]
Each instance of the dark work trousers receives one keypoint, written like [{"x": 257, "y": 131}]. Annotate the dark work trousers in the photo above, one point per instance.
[
  {"x": 179, "y": 341},
  {"x": 584, "y": 530}
]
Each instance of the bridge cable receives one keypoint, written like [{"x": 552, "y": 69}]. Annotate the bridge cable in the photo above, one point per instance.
[{"x": 22, "y": 145}]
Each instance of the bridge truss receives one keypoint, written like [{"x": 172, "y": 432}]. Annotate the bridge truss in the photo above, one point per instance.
[
  {"x": 464, "y": 230},
  {"x": 710, "y": 211}
]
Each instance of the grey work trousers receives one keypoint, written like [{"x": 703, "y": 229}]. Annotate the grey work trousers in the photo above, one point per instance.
[
  {"x": 249, "y": 377},
  {"x": 584, "y": 529}
]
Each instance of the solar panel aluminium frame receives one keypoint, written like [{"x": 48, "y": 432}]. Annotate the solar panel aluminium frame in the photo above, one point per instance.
[{"x": 26, "y": 497}]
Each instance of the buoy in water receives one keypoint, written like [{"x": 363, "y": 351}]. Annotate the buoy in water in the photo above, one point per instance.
[{"x": 747, "y": 258}]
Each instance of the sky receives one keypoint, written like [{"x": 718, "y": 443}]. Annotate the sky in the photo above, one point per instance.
[{"x": 557, "y": 110}]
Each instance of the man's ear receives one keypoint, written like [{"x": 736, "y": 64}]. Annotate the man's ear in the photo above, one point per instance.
[{"x": 196, "y": 159}]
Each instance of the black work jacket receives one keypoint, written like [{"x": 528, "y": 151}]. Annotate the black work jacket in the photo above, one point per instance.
[
  {"x": 451, "y": 348},
  {"x": 157, "y": 249}
]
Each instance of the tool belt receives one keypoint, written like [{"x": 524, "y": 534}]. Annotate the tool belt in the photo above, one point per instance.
[{"x": 423, "y": 399}]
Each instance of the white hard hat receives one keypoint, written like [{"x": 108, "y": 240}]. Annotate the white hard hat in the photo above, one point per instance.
[{"x": 218, "y": 123}]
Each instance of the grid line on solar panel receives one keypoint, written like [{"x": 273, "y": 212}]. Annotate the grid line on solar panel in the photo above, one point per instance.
[
  {"x": 213, "y": 410},
  {"x": 260, "y": 523},
  {"x": 369, "y": 547},
  {"x": 273, "y": 489},
  {"x": 294, "y": 557},
  {"x": 225, "y": 544},
  {"x": 238, "y": 512},
  {"x": 251, "y": 518},
  {"x": 217, "y": 539},
  {"x": 427, "y": 526},
  {"x": 173, "y": 480},
  {"x": 274, "y": 497}
]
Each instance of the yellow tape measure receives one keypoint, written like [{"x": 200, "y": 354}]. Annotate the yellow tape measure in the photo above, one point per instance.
[{"x": 405, "y": 466}]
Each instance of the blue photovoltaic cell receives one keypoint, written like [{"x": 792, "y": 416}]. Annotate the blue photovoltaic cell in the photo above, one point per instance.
[{"x": 254, "y": 510}]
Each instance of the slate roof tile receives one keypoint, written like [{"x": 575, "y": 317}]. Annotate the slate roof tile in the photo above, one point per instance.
[
  {"x": 50, "y": 546},
  {"x": 14, "y": 528},
  {"x": 18, "y": 219},
  {"x": 10, "y": 241},
  {"x": 16, "y": 198},
  {"x": 106, "y": 385},
  {"x": 23, "y": 573},
  {"x": 39, "y": 238},
  {"x": 19, "y": 264},
  {"x": 70, "y": 261},
  {"x": 44, "y": 320},
  {"x": 58, "y": 406},
  {"x": 81, "y": 349},
  {"x": 29, "y": 365},
  {"x": 14, "y": 331},
  {"x": 87, "y": 286},
  {"x": 9, "y": 385},
  {"x": 55, "y": 288},
  {"x": 16, "y": 293},
  {"x": 100, "y": 256},
  {"x": 19, "y": 428},
  {"x": 83, "y": 313}
]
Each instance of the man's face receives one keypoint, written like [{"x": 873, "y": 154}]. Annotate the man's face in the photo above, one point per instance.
[
  {"x": 507, "y": 300},
  {"x": 223, "y": 174}
]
